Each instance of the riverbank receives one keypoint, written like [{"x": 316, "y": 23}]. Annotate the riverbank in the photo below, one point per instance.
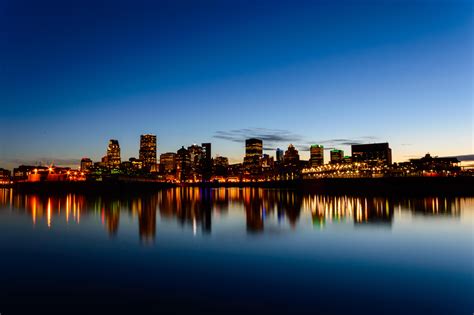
[{"x": 459, "y": 186}]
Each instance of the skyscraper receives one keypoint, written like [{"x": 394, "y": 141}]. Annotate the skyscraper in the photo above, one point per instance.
[
  {"x": 253, "y": 148},
  {"x": 253, "y": 155},
  {"x": 337, "y": 156},
  {"x": 279, "y": 155},
  {"x": 183, "y": 162},
  {"x": 168, "y": 162},
  {"x": 113, "y": 154},
  {"x": 206, "y": 162},
  {"x": 316, "y": 155},
  {"x": 291, "y": 157},
  {"x": 148, "y": 150}
]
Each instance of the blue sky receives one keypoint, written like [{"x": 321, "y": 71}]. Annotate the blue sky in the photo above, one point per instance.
[{"x": 77, "y": 73}]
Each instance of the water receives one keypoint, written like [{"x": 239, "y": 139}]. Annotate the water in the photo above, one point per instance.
[{"x": 202, "y": 251}]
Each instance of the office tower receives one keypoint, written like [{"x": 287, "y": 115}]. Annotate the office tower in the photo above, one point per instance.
[
  {"x": 373, "y": 153},
  {"x": 316, "y": 155},
  {"x": 148, "y": 150},
  {"x": 253, "y": 148},
  {"x": 337, "y": 156},
  {"x": 253, "y": 156},
  {"x": 206, "y": 163},
  {"x": 168, "y": 162},
  {"x": 291, "y": 157},
  {"x": 196, "y": 155},
  {"x": 183, "y": 163},
  {"x": 113, "y": 154},
  {"x": 206, "y": 151},
  {"x": 86, "y": 164},
  {"x": 279, "y": 155}
]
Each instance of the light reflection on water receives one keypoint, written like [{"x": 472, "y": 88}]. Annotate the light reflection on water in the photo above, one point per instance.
[
  {"x": 197, "y": 207},
  {"x": 404, "y": 252}
]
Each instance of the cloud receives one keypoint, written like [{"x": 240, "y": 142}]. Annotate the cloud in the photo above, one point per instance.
[
  {"x": 334, "y": 143},
  {"x": 267, "y": 135}
]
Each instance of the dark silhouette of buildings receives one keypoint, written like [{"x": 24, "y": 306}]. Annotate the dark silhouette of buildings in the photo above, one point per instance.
[{"x": 373, "y": 153}]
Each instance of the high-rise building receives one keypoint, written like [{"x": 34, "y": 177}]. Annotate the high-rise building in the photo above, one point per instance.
[
  {"x": 279, "y": 155},
  {"x": 113, "y": 154},
  {"x": 253, "y": 156},
  {"x": 86, "y": 164},
  {"x": 196, "y": 155},
  {"x": 183, "y": 162},
  {"x": 168, "y": 162},
  {"x": 291, "y": 157},
  {"x": 206, "y": 162},
  {"x": 206, "y": 151},
  {"x": 316, "y": 155},
  {"x": 337, "y": 156},
  {"x": 375, "y": 153},
  {"x": 148, "y": 150},
  {"x": 253, "y": 148}
]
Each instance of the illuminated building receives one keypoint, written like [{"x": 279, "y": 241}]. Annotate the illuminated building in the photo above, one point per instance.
[
  {"x": 347, "y": 159},
  {"x": 291, "y": 157},
  {"x": 136, "y": 164},
  {"x": 5, "y": 176},
  {"x": 316, "y": 155},
  {"x": 148, "y": 150},
  {"x": 279, "y": 155},
  {"x": 253, "y": 155},
  {"x": 253, "y": 148},
  {"x": 337, "y": 156},
  {"x": 196, "y": 155},
  {"x": 86, "y": 164},
  {"x": 113, "y": 154},
  {"x": 373, "y": 153},
  {"x": 183, "y": 162},
  {"x": 431, "y": 165},
  {"x": 21, "y": 172},
  {"x": 168, "y": 162},
  {"x": 267, "y": 162},
  {"x": 206, "y": 162}
]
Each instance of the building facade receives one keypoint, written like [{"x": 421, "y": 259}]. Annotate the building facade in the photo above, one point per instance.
[
  {"x": 113, "y": 154},
  {"x": 253, "y": 156},
  {"x": 147, "y": 152},
  {"x": 316, "y": 155},
  {"x": 86, "y": 164},
  {"x": 337, "y": 156},
  {"x": 373, "y": 153},
  {"x": 168, "y": 162}
]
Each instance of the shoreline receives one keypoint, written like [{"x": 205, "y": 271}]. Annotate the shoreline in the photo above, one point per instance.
[{"x": 459, "y": 186}]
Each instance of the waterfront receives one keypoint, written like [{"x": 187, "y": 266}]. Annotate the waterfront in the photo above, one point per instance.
[{"x": 235, "y": 250}]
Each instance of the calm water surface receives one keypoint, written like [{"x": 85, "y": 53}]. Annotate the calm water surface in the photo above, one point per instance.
[{"x": 221, "y": 251}]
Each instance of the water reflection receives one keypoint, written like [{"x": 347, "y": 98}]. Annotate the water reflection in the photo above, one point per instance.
[{"x": 196, "y": 207}]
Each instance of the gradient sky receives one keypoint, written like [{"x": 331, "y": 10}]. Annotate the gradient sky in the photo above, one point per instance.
[{"x": 74, "y": 74}]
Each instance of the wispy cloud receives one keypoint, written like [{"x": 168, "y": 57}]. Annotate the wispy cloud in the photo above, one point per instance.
[
  {"x": 271, "y": 136},
  {"x": 336, "y": 142}
]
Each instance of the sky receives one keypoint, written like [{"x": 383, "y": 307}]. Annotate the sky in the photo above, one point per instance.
[{"x": 74, "y": 74}]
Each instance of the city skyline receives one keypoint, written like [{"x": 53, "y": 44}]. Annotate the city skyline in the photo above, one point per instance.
[
  {"x": 303, "y": 150},
  {"x": 278, "y": 72}
]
